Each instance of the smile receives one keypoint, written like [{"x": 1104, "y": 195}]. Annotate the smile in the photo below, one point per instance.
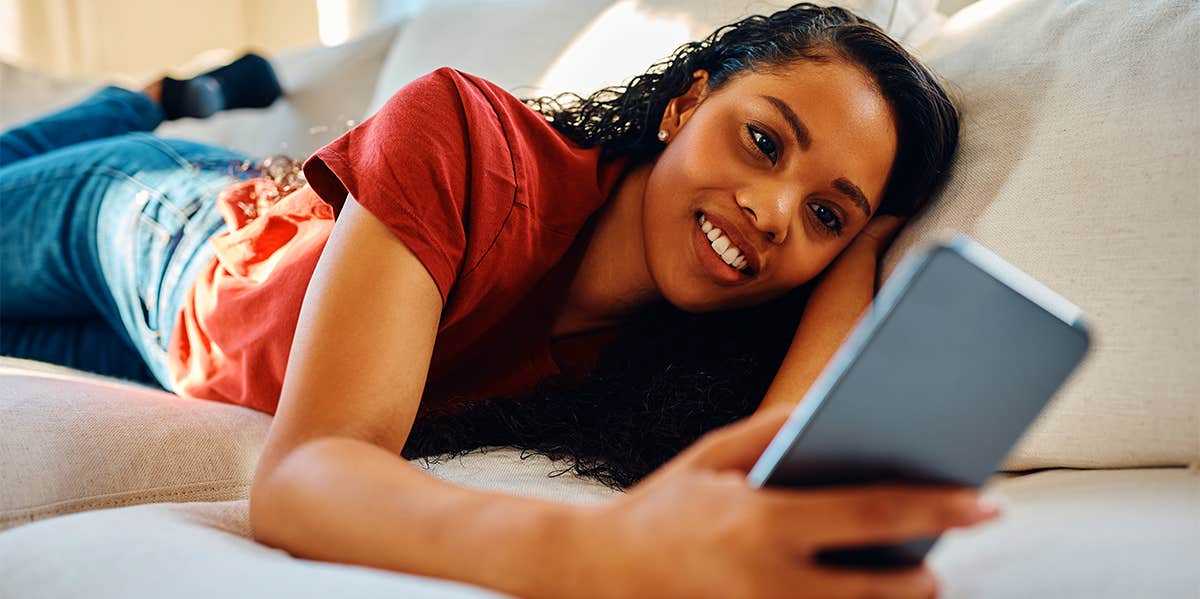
[
  {"x": 723, "y": 261},
  {"x": 722, "y": 245}
]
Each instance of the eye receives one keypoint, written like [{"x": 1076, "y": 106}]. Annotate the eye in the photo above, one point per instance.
[
  {"x": 764, "y": 143},
  {"x": 832, "y": 223}
]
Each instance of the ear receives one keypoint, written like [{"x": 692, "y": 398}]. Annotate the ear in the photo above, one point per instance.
[{"x": 680, "y": 108}]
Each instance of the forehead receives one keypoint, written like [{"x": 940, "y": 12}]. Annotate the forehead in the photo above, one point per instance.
[{"x": 847, "y": 117}]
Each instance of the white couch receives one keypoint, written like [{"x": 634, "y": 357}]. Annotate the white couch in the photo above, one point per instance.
[{"x": 1079, "y": 163}]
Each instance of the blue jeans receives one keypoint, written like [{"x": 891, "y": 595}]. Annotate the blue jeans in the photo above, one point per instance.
[{"x": 103, "y": 229}]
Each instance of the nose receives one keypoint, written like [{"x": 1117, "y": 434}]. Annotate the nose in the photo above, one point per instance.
[{"x": 771, "y": 209}]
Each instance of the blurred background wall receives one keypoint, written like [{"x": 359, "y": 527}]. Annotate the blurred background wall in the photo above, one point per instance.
[{"x": 135, "y": 40}]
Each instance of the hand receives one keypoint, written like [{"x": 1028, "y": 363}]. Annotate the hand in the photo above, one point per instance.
[
  {"x": 848, "y": 284},
  {"x": 879, "y": 232},
  {"x": 696, "y": 528}
]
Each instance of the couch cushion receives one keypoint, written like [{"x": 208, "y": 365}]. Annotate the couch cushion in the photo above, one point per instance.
[
  {"x": 1088, "y": 534},
  {"x": 536, "y": 47},
  {"x": 180, "y": 550},
  {"x": 1078, "y": 163},
  {"x": 1091, "y": 534},
  {"x": 76, "y": 441}
]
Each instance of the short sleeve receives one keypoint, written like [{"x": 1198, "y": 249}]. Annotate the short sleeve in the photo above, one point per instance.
[{"x": 433, "y": 164}]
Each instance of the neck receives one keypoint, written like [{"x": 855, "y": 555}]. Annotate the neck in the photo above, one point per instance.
[{"x": 613, "y": 279}]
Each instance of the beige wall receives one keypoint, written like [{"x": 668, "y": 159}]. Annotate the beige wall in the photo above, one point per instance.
[{"x": 135, "y": 40}]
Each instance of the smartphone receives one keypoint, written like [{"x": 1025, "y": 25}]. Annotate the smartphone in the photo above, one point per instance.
[{"x": 955, "y": 358}]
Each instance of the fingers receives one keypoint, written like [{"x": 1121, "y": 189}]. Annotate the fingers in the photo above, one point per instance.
[
  {"x": 738, "y": 445},
  {"x": 880, "y": 514}
]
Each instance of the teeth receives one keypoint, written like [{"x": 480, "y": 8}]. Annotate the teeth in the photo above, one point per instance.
[{"x": 722, "y": 245}]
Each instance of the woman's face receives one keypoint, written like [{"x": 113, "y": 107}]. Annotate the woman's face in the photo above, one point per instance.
[{"x": 776, "y": 157}]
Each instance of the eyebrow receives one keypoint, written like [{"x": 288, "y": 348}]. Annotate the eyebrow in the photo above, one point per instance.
[
  {"x": 854, "y": 193},
  {"x": 798, "y": 128},
  {"x": 804, "y": 140}
]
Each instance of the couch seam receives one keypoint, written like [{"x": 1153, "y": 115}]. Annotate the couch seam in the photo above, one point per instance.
[{"x": 114, "y": 500}]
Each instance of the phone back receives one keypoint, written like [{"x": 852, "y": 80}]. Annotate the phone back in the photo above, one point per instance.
[{"x": 957, "y": 356}]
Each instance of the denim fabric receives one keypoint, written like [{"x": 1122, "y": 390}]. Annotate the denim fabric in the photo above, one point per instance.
[{"x": 103, "y": 229}]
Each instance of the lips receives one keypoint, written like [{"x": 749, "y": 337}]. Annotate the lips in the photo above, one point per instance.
[
  {"x": 719, "y": 272},
  {"x": 739, "y": 238}
]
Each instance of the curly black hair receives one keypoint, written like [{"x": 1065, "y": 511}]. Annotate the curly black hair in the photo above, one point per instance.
[{"x": 665, "y": 381}]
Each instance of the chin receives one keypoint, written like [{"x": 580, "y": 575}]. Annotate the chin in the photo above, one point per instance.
[
  {"x": 680, "y": 294},
  {"x": 692, "y": 308},
  {"x": 691, "y": 301},
  {"x": 679, "y": 286}
]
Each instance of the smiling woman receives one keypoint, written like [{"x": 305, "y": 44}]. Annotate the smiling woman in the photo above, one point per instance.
[
  {"x": 787, "y": 133},
  {"x": 465, "y": 268}
]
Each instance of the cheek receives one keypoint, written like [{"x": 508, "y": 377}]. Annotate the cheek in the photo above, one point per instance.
[
  {"x": 663, "y": 202},
  {"x": 678, "y": 168},
  {"x": 804, "y": 262},
  {"x": 677, "y": 186},
  {"x": 703, "y": 156},
  {"x": 665, "y": 212}
]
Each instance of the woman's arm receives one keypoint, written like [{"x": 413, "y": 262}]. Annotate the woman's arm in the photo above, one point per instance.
[
  {"x": 349, "y": 501},
  {"x": 834, "y": 307},
  {"x": 331, "y": 485}
]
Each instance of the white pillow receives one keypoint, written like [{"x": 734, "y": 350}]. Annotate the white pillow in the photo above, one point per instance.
[
  {"x": 539, "y": 47},
  {"x": 1080, "y": 163}
]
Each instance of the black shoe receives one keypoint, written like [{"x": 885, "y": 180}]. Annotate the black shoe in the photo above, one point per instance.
[{"x": 248, "y": 82}]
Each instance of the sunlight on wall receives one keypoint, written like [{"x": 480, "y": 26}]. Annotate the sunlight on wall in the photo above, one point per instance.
[
  {"x": 128, "y": 41},
  {"x": 133, "y": 40},
  {"x": 625, "y": 35},
  {"x": 971, "y": 17},
  {"x": 340, "y": 20},
  {"x": 333, "y": 21},
  {"x": 10, "y": 29}
]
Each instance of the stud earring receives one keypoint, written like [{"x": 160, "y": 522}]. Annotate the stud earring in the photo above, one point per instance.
[{"x": 662, "y": 135}]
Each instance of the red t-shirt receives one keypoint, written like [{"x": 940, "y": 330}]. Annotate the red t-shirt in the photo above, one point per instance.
[{"x": 482, "y": 189}]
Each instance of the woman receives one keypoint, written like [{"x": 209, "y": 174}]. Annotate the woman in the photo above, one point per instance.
[{"x": 605, "y": 281}]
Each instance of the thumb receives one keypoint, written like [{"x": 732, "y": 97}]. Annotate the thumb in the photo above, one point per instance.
[{"x": 738, "y": 445}]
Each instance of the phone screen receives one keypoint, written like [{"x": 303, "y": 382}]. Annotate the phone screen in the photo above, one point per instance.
[{"x": 955, "y": 359}]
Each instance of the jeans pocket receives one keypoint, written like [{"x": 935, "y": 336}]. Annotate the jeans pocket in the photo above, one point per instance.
[{"x": 156, "y": 234}]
